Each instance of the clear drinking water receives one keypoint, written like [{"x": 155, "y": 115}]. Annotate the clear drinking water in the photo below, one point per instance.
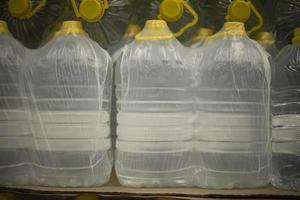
[
  {"x": 15, "y": 118},
  {"x": 71, "y": 84},
  {"x": 231, "y": 127},
  {"x": 286, "y": 119},
  {"x": 154, "y": 113}
]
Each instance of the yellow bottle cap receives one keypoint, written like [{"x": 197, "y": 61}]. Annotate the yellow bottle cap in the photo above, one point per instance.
[
  {"x": 265, "y": 38},
  {"x": 3, "y": 27},
  {"x": 171, "y": 10},
  {"x": 296, "y": 38},
  {"x": 19, "y": 8},
  {"x": 155, "y": 30},
  {"x": 6, "y": 196},
  {"x": 239, "y": 11},
  {"x": 91, "y": 10},
  {"x": 132, "y": 30},
  {"x": 70, "y": 27},
  {"x": 87, "y": 197}
]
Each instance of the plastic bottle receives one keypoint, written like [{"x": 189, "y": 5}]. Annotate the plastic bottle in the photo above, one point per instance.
[
  {"x": 266, "y": 40},
  {"x": 199, "y": 38},
  {"x": 15, "y": 118},
  {"x": 232, "y": 102},
  {"x": 71, "y": 85},
  {"x": 30, "y": 21},
  {"x": 154, "y": 130},
  {"x": 286, "y": 123}
]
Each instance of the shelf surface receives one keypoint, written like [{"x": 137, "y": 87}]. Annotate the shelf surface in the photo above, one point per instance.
[{"x": 115, "y": 189}]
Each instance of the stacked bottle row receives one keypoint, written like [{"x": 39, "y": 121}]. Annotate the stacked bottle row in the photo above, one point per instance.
[
  {"x": 55, "y": 111},
  {"x": 186, "y": 117},
  {"x": 209, "y": 122}
]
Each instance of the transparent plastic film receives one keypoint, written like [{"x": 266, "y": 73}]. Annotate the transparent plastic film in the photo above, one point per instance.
[
  {"x": 154, "y": 110},
  {"x": 15, "y": 117},
  {"x": 232, "y": 104},
  {"x": 30, "y": 21},
  {"x": 71, "y": 80},
  {"x": 285, "y": 117}
]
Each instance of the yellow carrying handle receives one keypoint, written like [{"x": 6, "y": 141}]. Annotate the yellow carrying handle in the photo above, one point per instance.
[
  {"x": 240, "y": 10},
  {"x": 23, "y": 8},
  {"x": 259, "y": 17},
  {"x": 189, "y": 25},
  {"x": 37, "y": 8},
  {"x": 90, "y": 10}
]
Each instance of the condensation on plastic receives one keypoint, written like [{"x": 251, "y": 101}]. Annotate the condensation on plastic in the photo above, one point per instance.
[
  {"x": 111, "y": 27},
  {"x": 232, "y": 100},
  {"x": 154, "y": 110},
  {"x": 30, "y": 32},
  {"x": 15, "y": 117},
  {"x": 286, "y": 126},
  {"x": 71, "y": 89},
  {"x": 287, "y": 14}
]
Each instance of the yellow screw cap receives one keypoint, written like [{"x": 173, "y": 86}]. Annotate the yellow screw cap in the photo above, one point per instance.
[
  {"x": 296, "y": 38},
  {"x": 91, "y": 10},
  {"x": 3, "y": 27},
  {"x": 70, "y": 27},
  {"x": 87, "y": 197},
  {"x": 6, "y": 196},
  {"x": 171, "y": 10},
  {"x": 19, "y": 8},
  {"x": 239, "y": 11},
  {"x": 265, "y": 38},
  {"x": 132, "y": 30}
]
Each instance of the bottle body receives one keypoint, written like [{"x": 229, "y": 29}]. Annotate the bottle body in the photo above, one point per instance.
[
  {"x": 15, "y": 118},
  {"x": 232, "y": 122},
  {"x": 71, "y": 85},
  {"x": 154, "y": 115},
  {"x": 285, "y": 121}
]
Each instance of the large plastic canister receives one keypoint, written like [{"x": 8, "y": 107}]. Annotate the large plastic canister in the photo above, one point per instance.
[
  {"x": 232, "y": 89},
  {"x": 285, "y": 111},
  {"x": 267, "y": 40},
  {"x": 71, "y": 86},
  {"x": 15, "y": 117},
  {"x": 153, "y": 78}
]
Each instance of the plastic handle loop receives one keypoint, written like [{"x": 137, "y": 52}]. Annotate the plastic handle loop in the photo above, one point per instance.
[
  {"x": 103, "y": 4},
  {"x": 37, "y": 8},
  {"x": 259, "y": 17},
  {"x": 189, "y": 25}
]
